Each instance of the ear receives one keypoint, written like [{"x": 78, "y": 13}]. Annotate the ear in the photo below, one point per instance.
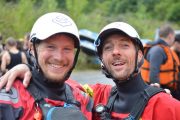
[
  {"x": 31, "y": 48},
  {"x": 140, "y": 56}
]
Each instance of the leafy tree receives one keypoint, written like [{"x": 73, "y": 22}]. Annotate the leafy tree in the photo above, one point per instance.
[
  {"x": 17, "y": 16},
  {"x": 174, "y": 13},
  {"x": 75, "y": 8},
  {"x": 20, "y": 16}
]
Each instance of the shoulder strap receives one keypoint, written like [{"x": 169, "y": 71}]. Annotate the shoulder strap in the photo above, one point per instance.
[
  {"x": 38, "y": 97},
  {"x": 35, "y": 93},
  {"x": 70, "y": 97},
  {"x": 140, "y": 105},
  {"x": 112, "y": 98},
  {"x": 105, "y": 110}
]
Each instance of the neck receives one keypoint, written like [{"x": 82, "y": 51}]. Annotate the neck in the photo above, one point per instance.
[
  {"x": 13, "y": 49},
  {"x": 128, "y": 92},
  {"x": 50, "y": 90},
  {"x": 133, "y": 85},
  {"x": 166, "y": 40}
]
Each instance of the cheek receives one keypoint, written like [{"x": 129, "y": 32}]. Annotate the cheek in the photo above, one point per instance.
[
  {"x": 106, "y": 55},
  {"x": 71, "y": 58},
  {"x": 102, "y": 57},
  {"x": 68, "y": 57},
  {"x": 131, "y": 58},
  {"x": 43, "y": 55},
  {"x": 106, "y": 59}
]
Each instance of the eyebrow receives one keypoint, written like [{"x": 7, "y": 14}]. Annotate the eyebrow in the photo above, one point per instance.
[{"x": 122, "y": 40}]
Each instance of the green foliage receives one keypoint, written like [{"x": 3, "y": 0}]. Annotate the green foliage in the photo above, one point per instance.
[
  {"x": 75, "y": 8},
  {"x": 174, "y": 13},
  {"x": 21, "y": 17},
  {"x": 18, "y": 16}
]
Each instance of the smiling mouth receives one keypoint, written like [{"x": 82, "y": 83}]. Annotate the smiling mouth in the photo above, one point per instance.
[
  {"x": 118, "y": 63},
  {"x": 56, "y": 66}
]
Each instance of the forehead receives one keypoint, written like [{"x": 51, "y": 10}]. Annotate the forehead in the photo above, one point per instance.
[
  {"x": 117, "y": 38},
  {"x": 62, "y": 38}
]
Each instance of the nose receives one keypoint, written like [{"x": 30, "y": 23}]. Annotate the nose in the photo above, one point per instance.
[
  {"x": 116, "y": 51},
  {"x": 58, "y": 55}
]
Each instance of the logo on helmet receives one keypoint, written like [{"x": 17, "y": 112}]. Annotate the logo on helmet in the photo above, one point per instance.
[{"x": 60, "y": 20}]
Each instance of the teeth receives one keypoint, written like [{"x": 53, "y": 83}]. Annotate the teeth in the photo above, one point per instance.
[
  {"x": 56, "y": 66},
  {"x": 117, "y": 63}
]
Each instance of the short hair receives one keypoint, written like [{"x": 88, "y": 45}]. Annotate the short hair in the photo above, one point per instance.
[
  {"x": 11, "y": 41},
  {"x": 165, "y": 30}
]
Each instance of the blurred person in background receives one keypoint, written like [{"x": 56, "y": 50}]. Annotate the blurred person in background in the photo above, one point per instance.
[
  {"x": 176, "y": 48},
  {"x": 26, "y": 49},
  {"x": 19, "y": 45},
  {"x": 26, "y": 43},
  {"x": 161, "y": 63},
  {"x": 1, "y": 51},
  {"x": 12, "y": 56},
  {"x": 1, "y": 45},
  {"x": 176, "y": 45}
]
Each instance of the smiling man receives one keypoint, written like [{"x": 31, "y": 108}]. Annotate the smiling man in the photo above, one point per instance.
[
  {"x": 119, "y": 65},
  {"x": 55, "y": 45},
  {"x": 121, "y": 53}
]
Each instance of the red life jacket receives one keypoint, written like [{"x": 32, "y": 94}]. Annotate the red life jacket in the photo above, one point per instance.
[
  {"x": 160, "y": 107},
  {"x": 19, "y": 104}
]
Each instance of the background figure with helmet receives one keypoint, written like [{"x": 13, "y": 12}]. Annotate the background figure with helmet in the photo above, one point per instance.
[
  {"x": 161, "y": 63},
  {"x": 55, "y": 45},
  {"x": 121, "y": 53},
  {"x": 12, "y": 55}
]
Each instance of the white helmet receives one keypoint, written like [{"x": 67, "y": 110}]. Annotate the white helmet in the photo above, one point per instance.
[
  {"x": 50, "y": 24},
  {"x": 119, "y": 28},
  {"x": 53, "y": 23},
  {"x": 116, "y": 27}
]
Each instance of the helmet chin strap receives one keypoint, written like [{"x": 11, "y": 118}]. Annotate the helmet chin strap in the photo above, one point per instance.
[
  {"x": 136, "y": 69},
  {"x": 74, "y": 64},
  {"x": 35, "y": 54}
]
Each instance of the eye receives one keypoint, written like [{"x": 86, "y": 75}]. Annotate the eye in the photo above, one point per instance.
[
  {"x": 125, "y": 45},
  {"x": 108, "y": 47},
  {"x": 67, "y": 49},
  {"x": 50, "y": 46}
]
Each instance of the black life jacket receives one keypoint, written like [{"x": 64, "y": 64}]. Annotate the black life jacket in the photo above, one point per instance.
[
  {"x": 136, "y": 111},
  {"x": 70, "y": 110}
]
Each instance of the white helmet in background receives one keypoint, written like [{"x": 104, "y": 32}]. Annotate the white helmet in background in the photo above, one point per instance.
[
  {"x": 117, "y": 27},
  {"x": 53, "y": 23}
]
